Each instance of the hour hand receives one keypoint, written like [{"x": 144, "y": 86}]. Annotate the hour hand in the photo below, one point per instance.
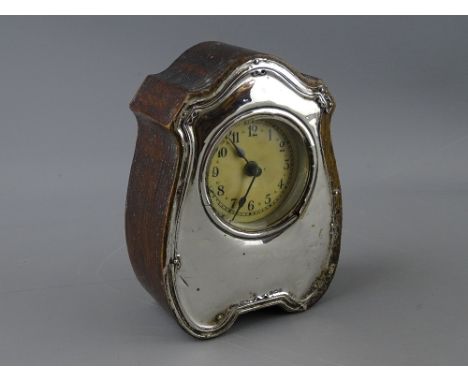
[{"x": 239, "y": 151}]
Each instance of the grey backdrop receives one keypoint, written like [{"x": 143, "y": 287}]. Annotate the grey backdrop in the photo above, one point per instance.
[{"x": 67, "y": 292}]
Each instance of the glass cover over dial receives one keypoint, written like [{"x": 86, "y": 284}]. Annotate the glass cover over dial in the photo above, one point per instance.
[{"x": 257, "y": 173}]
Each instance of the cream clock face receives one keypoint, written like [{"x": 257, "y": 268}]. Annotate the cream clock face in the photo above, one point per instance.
[{"x": 256, "y": 174}]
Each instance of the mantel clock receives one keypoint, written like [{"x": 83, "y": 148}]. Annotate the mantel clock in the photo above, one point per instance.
[{"x": 234, "y": 200}]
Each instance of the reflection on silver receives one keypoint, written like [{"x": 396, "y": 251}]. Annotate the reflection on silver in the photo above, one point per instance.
[{"x": 212, "y": 275}]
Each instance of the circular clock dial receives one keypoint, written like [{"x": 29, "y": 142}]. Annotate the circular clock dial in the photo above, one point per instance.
[{"x": 256, "y": 173}]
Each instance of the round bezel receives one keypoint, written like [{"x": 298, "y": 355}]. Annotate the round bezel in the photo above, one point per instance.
[{"x": 299, "y": 193}]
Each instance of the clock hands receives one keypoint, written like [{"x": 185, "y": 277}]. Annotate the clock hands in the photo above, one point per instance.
[
  {"x": 254, "y": 170},
  {"x": 251, "y": 168}
]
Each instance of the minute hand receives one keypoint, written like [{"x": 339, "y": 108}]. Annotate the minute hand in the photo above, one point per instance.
[{"x": 244, "y": 198}]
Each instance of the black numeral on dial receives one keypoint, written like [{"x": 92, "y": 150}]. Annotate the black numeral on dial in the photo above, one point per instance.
[
  {"x": 222, "y": 152},
  {"x": 234, "y": 136}
]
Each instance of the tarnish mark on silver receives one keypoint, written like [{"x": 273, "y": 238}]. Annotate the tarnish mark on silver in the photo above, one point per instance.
[
  {"x": 184, "y": 281},
  {"x": 191, "y": 117},
  {"x": 261, "y": 297},
  {"x": 176, "y": 262},
  {"x": 259, "y": 72},
  {"x": 324, "y": 99}
]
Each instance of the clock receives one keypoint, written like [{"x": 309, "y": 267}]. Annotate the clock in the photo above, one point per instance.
[
  {"x": 234, "y": 200},
  {"x": 256, "y": 176}
]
